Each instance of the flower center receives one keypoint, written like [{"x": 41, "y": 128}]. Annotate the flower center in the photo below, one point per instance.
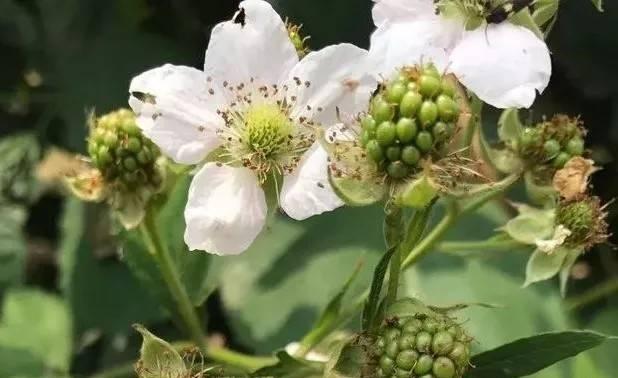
[{"x": 266, "y": 130}]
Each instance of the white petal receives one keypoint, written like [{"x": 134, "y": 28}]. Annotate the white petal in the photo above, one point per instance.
[
  {"x": 330, "y": 79},
  {"x": 226, "y": 210},
  {"x": 254, "y": 44},
  {"x": 175, "y": 109},
  {"x": 307, "y": 191},
  {"x": 505, "y": 65},
  {"x": 401, "y": 10},
  {"x": 395, "y": 45}
]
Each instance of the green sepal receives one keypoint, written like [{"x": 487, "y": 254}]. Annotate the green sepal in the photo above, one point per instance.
[
  {"x": 356, "y": 192},
  {"x": 531, "y": 224},
  {"x": 505, "y": 160},
  {"x": 158, "y": 358},
  {"x": 565, "y": 270},
  {"x": 417, "y": 194},
  {"x": 407, "y": 307},
  {"x": 543, "y": 266},
  {"x": 510, "y": 127},
  {"x": 598, "y": 4},
  {"x": 544, "y": 10},
  {"x": 349, "y": 359},
  {"x": 538, "y": 193},
  {"x": 524, "y": 18}
]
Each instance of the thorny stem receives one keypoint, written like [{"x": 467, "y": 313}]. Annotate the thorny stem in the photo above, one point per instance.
[{"x": 161, "y": 254}]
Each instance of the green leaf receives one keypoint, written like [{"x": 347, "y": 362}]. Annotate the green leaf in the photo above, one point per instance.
[
  {"x": 101, "y": 292},
  {"x": 544, "y": 10},
  {"x": 598, "y": 4},
  {"x": 20, "y": 153},
  {"x": 38, "y": 325},
  {"x": 524, "y": 18},
  {"x": 331, "y": 316},
  {"x": 531, "y": 225},
  {"x": 295, "y": 268},
  {"x": 370, "y": 317},
  {"x": 12, "y": 244},
  {"x": 532, "y": 354},
  {"x": 158, "y": 358},
  {"x": 584, "y": 366},
  {"x": 510, "y": 127},
  {"x": 290, "y": 367},
  {"x": 543, "y": 266},
  {"x": 355, "y": 192}
]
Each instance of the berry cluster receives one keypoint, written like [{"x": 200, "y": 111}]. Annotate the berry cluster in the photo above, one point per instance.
[
  {"x": 422, "y": 347},
  {"x": 410, "y": 118},
  {"x": 553, "y": 142},
  {"x": 122, "y": 154}
]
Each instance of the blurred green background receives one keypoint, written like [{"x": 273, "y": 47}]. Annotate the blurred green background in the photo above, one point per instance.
[{"x": 70, "y": 292}]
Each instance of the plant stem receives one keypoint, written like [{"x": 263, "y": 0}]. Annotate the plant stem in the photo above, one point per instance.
[
  {"x": 393, "y": 277},
  {"x": 243, "y": 361},
  {"x": 438, "y": 232},
  {"x": 161, "y": 254},
  {"x": 598, "y": 292},
  {"x": 477, "y": 245}
]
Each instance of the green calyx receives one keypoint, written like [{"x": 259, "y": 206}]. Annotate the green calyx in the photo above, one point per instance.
[
  {"x": 421, "y": 346},
  {"x": 585, "y": 219},
  {"x": 411, "y": 118},
  {"x": 299, "y": 42},
  {"x": 125, "y": 158},
  {"x": 551, "y": 144}
]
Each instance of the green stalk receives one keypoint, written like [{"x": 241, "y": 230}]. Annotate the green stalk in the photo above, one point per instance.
[
  {"x": 478, "y": 245},
  {"x": 598, "y": 292},
  {"x": 393, "y": 224},
  {"x": 169, "y": 271},
  {"x": 243, "y": 361}
]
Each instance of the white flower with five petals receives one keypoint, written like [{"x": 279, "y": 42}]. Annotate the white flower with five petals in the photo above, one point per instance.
[
  {"x": 504, "y": 64},
  {"x": 250, "y": 119}
]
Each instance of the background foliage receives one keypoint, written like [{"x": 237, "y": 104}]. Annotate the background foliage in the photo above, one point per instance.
[{"x": 70, "y": 292}]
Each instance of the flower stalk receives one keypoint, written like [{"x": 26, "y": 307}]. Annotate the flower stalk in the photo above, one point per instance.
[{"x": 160, "y": 252}]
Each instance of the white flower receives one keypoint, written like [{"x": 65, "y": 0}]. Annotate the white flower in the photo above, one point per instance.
[
  {"x": 252, "y": 117},
  {"x": 503, "y": 64}
]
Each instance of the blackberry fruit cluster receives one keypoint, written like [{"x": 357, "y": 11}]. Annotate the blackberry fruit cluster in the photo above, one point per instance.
[
  {"x": 411, "y": 118},
  {"x": 422, "y": 347},
  {"x": 553, "y": 142},
  {"x": 122, "y": 154}
]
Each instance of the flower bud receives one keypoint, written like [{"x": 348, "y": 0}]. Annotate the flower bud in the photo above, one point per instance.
[{"x": 421, "y": 345}]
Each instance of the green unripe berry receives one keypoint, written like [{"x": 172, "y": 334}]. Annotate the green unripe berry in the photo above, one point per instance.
[
  {"x": 424, "y": 141},
  {"x": 104, "y": 157},
  {"x": 431, "y": 70},
  {"x": 424, "y": 364},
  {"x": 410, "y": 155},
  {"x": 448, "y": 89},
  {"x": 400, "y": 373},
  {"x": 447, "y": 108},
  {"x": 99, "y": 135},
  {"x": 111, "y": 139},
  {"x": 369, "y": 124},
  {"x": 413, "y": 325},
  {"x": 386, "y": 133},
  {"x": 397, "y": 170},
  {"x": 423, "y": 341},
  {"x": 392, "y": 349},
  {"x": 406, "y": 359},
  {"x": 440, "y": 131},
  {"x": 406, "y": 129},
  {"x": 395, "y": 92},
  {"x": 459, "y": 353},
  {"x": 393, "y": 153},
  {"x": 443, "y": 368},
  {"x": 402, "y": 79},
  {"x": 412, "y": 86},
  {"x": 561, "y": 159},
  {"x": 380, "y": 373},
  {"x": 379, "y": 346},
  {"x": 430, "y": 325},
  {"x": 364, "y": 137},
  {"x": 134, "y": 145},
  {"x": 551, "y": 148},
  {"x": 429, "y": 86},
  {"x": 374, "y": 151},
  {"x": 382, "y": 111},
  {"x": 575, "y": 146},
  {"x": 410, "y": 104},
  {"x": 387, "y": 364},
  {"x": 530, "y": 137},
  {"x": 130, "y": 177},
  {"x": 407, "y": 341},
  {"x": 442, "y": 343},
  {"x": 129, "y": 163},
  {"x": 428, "y": 113},
  {"x": 131, "y": 128}
]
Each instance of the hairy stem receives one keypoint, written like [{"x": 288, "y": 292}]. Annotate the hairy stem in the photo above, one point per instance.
[{"x": 169, "y": 271}]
